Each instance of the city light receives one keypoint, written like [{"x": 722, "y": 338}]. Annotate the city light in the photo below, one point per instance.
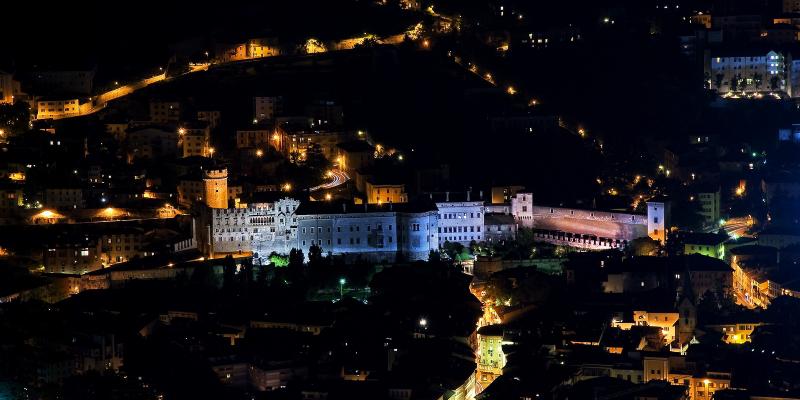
[
  {"x": 328, "y": 196},
  {"x": 287, "y": 187},
  {"x": 259, "y": 153},
  {"x": 511, "y": 90},
  {"x": 423, "y": 322},
  {"x": 182, "y": 131}
]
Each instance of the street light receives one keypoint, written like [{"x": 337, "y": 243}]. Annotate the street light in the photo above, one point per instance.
[
  {"x": 259, "y": 153},
  {"x": 211, "y": 152},
  {"x": 342, "y": 281},
  {"x": 423, "y": 322}
]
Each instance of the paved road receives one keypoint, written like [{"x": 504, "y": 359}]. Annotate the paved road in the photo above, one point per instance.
[
  {"x": 338, "y": 177},
  {"x": 102, "y": 99},
  {"x": 738, "y": 226}
]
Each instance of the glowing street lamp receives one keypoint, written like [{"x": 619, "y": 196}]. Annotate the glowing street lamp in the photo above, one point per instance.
[
  {"x": 328, "y": 196},
  {"x": 511, "y": 90},
  {"x": 259, "y": 153},
  {"x": 211, "y": 152},
  {"x": 342, "y": 281},
  {"x": 287, "y": 187},
  {"x": 423, "y": 323}
]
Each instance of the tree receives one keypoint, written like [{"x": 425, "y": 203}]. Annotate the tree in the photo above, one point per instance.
[
  {"x": 278, "y": 260},
  {"x": 296, "y": 258},
  {"x": 315, "y": 257},
  {"x": 758, "y": 80},
  {"x": 295, "y": 269},
  {"x": 434, "y": 257},
  {"x": 228, "y": 272},
  {"x": 204, "y": 275},
  {"x": 774, "y": 82},
  {"x": 643, "y": 246},
  {"x": 718, "y": 80},
  {"x": 734, "y": 83}
]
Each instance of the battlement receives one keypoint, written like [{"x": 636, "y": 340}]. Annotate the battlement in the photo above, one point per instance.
[{"x": 216, "y": 174}]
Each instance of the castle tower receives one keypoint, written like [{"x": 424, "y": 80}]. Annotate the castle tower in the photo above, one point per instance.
[
  {"x": 215, "y": 182},
  {"x": 657, "y": 215}
]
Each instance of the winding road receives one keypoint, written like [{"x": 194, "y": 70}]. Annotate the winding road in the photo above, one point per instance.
[{"x": 338, "y": 178}]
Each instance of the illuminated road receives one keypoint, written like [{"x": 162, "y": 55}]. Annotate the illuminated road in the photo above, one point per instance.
[
  {"x": 338, "y": 177},
  {"x": 100, "y": 101},
  {"x": 738, "y": 226}
]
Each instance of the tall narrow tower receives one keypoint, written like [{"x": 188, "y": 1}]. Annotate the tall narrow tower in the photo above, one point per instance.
[
  {"x": 215, "y": 182},
  {"x": 657, "y": 219}
]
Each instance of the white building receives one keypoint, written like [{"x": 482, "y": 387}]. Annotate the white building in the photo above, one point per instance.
[
  {"x": 377, "y": 233},
  {"x": 461, "y": 221},
  {"x": 260, "y": 228},
  {"x": 747, "y": 72}
]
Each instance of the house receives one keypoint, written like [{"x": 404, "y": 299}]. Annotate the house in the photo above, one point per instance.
[{"x": 707, "y": 244}]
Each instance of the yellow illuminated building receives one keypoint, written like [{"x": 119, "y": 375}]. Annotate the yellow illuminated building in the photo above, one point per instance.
[
  {"x": 666, "y": 321},
  {"x": 736, "y": 333},
  {"x": 386, "y": 193},
  {"x": 674, "y": 370},
  {"x": 491, "y": 358}
]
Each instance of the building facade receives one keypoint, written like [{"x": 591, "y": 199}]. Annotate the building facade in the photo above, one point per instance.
[
  {"x": 376, "y": 234},
  {"x": 260, "y": 228},
  {"x": 460, "y": 222}
]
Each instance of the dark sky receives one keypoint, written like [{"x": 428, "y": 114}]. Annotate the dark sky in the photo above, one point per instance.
[{"x": 146, "y": 27}]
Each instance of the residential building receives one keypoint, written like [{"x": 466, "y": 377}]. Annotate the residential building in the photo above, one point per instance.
[
  {"x": 64, "y": 197},
  {"x": 259, "y": 135},
  {"x": 72, "y": 254},
  {"x": 10, "y": 88},
  {"x": 52, "y": 107},
  {"x": 491, "y": 358},
  {"x": 748, "y": 72},
  {"x": 77, "y": 81},
  {"x": 165, "y": 112},
  {"x": 380, "y": 192},
  {"x": 709, "y": 205},
  {"x": 707, "y": 244},
  {"x": 666, "y": 321},
  {"x": 354, "y": 155},
  {"x": 738, "y": 332},
  {"x": 152, "y": 142},
  {"x": 195, "y": 137},
  {"x": 212, "y": 117},
  {"x": 677, "y": 371},
  {"x": 121, "y": 245},
  {"x": 11, "y": 199},
  {"x": 267, "y": 107}
]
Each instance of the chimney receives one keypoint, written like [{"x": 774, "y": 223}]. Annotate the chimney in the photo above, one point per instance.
[
  {"x": 365, "y": 207},
  {"x": 446, "y": 196},
  {"x": 344, "y": 208},
  {"x": 468, "y": 192},
  {"x": 481, "y": 194}
]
